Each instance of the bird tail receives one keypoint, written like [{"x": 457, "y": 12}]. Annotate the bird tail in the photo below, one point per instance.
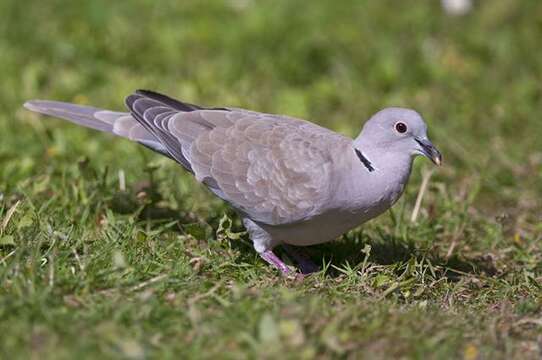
[
  {"x": 118, "y": 123},
  {"x": 87, "y": 116}
]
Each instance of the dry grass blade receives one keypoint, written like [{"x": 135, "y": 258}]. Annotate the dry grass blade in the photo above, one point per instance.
[
  {"x": 426, "y": 176},
  {"x": 146, "y": 283},
  {"x": 8, "y": 216}
]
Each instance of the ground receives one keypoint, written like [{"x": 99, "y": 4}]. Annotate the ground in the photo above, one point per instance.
[{"x": 108, "y": 250}]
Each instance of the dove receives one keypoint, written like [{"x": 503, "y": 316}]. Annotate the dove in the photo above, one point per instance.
[{"x": 292, "y": 182}]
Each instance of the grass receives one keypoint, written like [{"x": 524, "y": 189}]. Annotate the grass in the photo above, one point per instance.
[{"x": 161, "y": 269}]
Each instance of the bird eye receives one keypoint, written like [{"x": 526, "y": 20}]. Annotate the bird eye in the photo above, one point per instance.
[{"x": 401, "y": 127}]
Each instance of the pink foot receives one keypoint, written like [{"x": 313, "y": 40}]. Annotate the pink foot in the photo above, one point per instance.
[{"x": 273, "y": 259}]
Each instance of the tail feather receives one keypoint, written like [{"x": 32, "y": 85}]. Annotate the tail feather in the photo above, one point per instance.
[
  {"x": 118, "y": 123},
  {"x": 78, "y": 114}
]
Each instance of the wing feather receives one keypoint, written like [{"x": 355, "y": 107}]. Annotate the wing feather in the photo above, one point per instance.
[{"x": 276, "y": 170}]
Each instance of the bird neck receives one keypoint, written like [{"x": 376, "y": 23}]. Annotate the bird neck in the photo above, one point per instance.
[
  {"x": 381, "y": 157},
  {"x": 379, "y": 188}
]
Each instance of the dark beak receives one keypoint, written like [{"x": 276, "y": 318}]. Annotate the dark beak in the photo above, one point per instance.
[{"x": 430, "y": 151}]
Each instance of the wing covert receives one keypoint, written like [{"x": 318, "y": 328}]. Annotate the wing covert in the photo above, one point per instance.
[{"x": 274, "y": 169}]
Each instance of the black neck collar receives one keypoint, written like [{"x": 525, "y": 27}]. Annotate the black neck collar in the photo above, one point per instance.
[{"x": 366, "y": 162}]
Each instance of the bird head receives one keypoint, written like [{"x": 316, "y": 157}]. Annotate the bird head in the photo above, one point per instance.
[{"x": 397, "y": 130}]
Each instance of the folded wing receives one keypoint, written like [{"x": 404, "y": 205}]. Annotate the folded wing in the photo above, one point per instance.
[{"x": 275, "y": 169}]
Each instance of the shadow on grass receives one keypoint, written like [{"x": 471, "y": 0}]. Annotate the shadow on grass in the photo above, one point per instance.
[
  {"x": 387, "y": 250},
  {"x": 390, "y": 250}
]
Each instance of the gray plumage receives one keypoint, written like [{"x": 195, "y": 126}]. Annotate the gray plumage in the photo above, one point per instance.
[{"x": 293, "y": 182}]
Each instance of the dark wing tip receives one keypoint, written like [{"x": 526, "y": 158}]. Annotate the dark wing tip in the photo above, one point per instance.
[
  {"x": 168, "y": 101},
  {"x": 131, "y": 99},
  {"x": 148, "y": 93},
  {"x": 174, "y": 103}
]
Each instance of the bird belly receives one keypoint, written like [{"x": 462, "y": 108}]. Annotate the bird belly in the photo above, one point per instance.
[
  {"x": 351, "y": 208},
  {"x": 319, "y": 229},
  {"x": 331, "y": 224}
]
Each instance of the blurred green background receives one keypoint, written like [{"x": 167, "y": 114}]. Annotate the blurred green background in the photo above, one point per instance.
[{"x": 476, "y": 79}]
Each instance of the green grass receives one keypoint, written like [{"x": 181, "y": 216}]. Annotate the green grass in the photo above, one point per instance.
[{"x": 159, "y": 271}]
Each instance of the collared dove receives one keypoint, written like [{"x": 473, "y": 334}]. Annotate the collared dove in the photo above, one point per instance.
[{"x": 291, "y": 181}]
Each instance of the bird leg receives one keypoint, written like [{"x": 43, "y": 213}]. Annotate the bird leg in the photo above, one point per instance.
[
  {"x": 273, "y": 259},
  {"x": 305, "y": 264}
]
